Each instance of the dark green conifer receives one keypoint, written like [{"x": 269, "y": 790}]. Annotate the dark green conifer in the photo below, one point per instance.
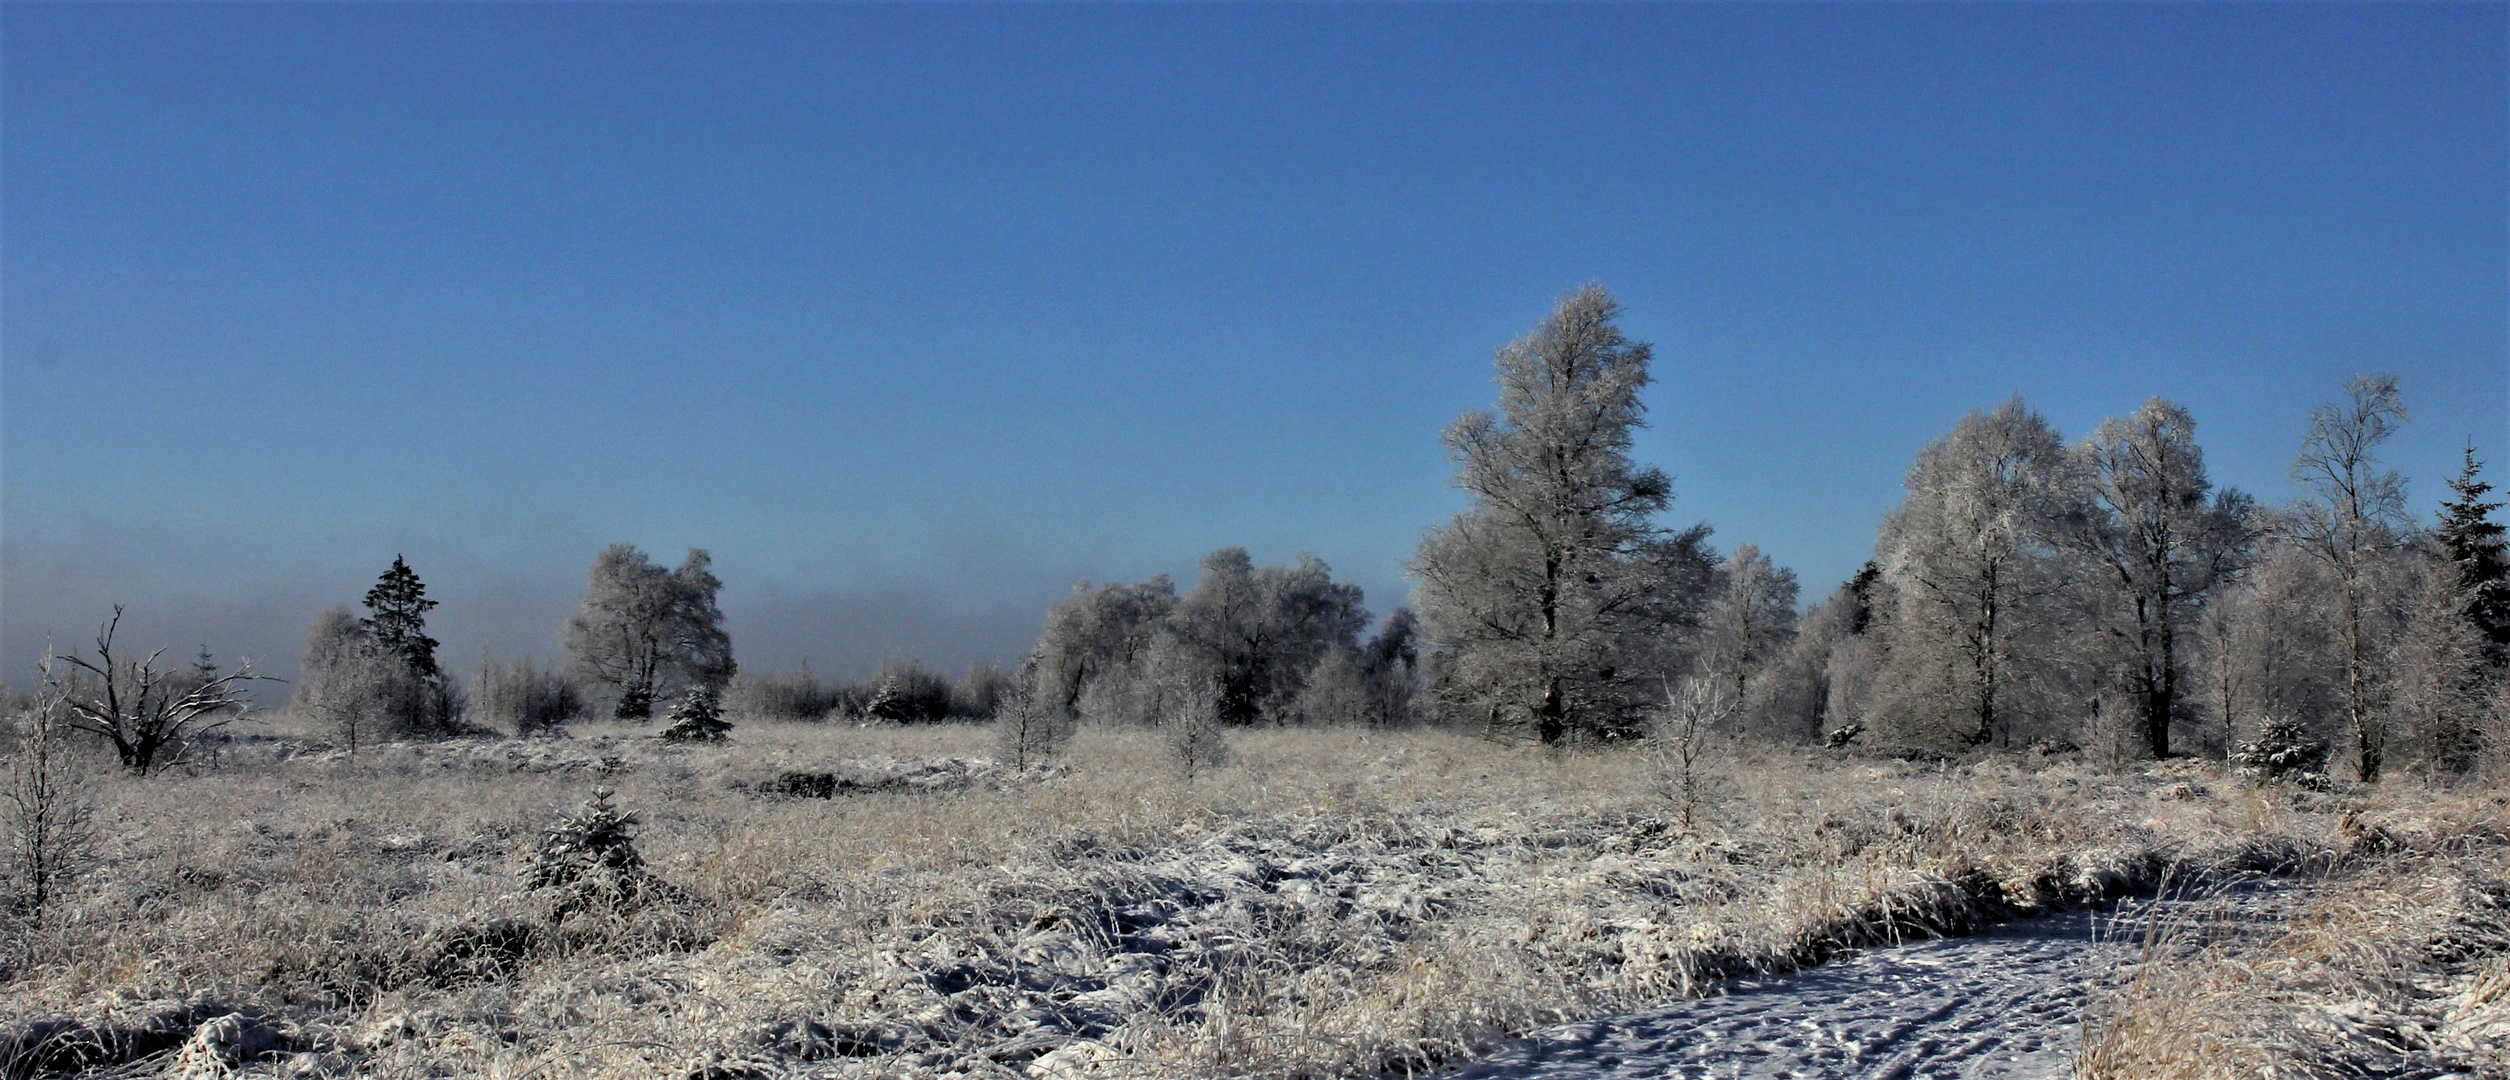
[
  {"x": 398, "y": 623},
  {"x": 2470, "y": 538}
]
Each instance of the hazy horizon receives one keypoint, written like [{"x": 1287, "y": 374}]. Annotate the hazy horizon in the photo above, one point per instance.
[{"x": 914, "y": 316}]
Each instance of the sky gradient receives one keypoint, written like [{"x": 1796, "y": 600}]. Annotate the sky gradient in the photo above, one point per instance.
[{"x": 913, "y": 315}]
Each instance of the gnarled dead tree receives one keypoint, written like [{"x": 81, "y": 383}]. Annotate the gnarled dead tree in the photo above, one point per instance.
[{"x": 143, "y": 710}]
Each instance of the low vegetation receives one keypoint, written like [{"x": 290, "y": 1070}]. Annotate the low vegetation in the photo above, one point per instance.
[{"x": 1329, "y": 902}]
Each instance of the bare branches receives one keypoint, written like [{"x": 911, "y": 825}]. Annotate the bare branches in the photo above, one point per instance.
[{"x": 142, "y": 710}]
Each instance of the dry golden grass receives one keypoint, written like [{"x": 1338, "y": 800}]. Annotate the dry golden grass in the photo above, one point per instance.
[
  {"x": 1337, "y": 902},
  {"x": 2394, "y": 962}
]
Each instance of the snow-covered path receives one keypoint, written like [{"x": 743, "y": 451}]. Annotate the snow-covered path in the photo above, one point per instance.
[{"x": 2006, "y": 1003}]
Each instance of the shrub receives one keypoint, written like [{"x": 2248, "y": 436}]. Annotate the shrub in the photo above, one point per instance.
[
  {"x": 798, "y": 696},
  {"x": 1196, "y": 741},
  {"x": 696, "y": 718},
  {"x": 983, "y": 693},
  {"x": 1031, "y": 728},
  {"x": 523, "y": 697},
  {"x": 2284, "y": 751},
  {"x": 906, "y": 693},
  {"x": 51, "y": 830}
]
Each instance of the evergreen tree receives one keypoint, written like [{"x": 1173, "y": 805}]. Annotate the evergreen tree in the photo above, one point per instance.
[
  {"x": 398, "y": 623},
  {"x": 2470, "y": 538}
]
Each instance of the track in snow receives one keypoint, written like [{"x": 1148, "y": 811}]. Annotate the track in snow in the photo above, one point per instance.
[{"x": 2006, "y": 1004}]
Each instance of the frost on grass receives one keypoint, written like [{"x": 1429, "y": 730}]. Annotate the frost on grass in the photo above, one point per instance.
[{"x": 1330, "y": 903}]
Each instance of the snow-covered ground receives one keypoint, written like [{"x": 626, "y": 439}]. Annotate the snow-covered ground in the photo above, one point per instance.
[{"x": 2004, "y": 1004}]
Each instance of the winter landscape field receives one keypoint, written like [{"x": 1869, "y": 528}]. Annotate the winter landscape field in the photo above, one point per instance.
[
  {"x": 1333, "y": 903},
  {"x": 749, "y": 541}
]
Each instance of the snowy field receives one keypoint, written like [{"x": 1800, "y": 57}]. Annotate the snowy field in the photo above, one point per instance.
[{"x": 838, "y": 901}]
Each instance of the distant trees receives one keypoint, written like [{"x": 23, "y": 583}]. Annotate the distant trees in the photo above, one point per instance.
[
  {"x": 646, "y": 632},
  {"x": 523, "y": 697},
  {"x": 1097, "y": 635},
  {"x": 1254, "y": 638},
  {"x": 1259, "y": 631},
  {"x": 377, "y": 676},
  {"x": 1390, "y": 669},
  {"x": 1552, "y": 593},
  {"x": 1748, "y": 621}
]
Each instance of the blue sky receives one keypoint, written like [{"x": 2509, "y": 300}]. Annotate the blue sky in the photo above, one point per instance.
[{"x": 915, "y": 314}]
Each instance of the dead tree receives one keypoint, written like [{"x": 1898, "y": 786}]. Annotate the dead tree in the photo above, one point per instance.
[{"x": 134, "y": 705}]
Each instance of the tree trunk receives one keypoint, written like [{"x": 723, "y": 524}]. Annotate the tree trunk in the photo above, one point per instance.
[{"x": 1552, "y": 721}]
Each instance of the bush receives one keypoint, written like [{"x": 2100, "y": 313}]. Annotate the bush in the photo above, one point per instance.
[
  {"x": 983, "y": 693},
  {"x": 906, "y": 693},
  {"x": 523, "y": 697},
  {"x": 1031, "y": 728},
  {"x": 2283, "y": 751},
  {"x": 780, "y": 697}
]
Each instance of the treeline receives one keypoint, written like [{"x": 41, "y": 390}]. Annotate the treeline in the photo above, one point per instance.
[
  {"x": 644, "y": 636},
  {"x": 2101, "y": 595}
]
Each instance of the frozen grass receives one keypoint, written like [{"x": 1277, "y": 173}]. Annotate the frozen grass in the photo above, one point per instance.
[
  {"x": 2396, "y": 963},
  {"x": 1336, "y": 902}
]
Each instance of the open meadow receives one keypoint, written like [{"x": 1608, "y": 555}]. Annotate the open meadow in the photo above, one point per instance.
[{"x": 843, "y": 900}]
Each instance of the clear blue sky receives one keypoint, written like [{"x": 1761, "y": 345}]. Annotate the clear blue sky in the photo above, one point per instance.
[{"x": 915, "y": 314}]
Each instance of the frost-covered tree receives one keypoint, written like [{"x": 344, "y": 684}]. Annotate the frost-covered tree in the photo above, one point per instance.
[
  {"x": 2268, "y": 652},
  {"x": 2433, "y": 670},
  {"x": 1390, "y": 666},
  {"x": 1552, "y": 593},
  {"x": 1097, "y": 635},
  {"x": 1748, "y": 621},
  {"x": 1259, "y": 631},
  {"x": 648, "y": 632},
  {"x": 360, "y": 689},
  {"x": 2350, "y": 522},
  {"x": 2158, "y": 542},
  {"x": 1971, "y": 558}
]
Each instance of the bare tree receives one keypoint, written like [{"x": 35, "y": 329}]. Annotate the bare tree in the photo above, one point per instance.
[
  {"x": 1694, "y": 713},
  {"x": 2350, "y": 522},
  {"x": 51, "y": 830},
  {"x": 2158, "y": 543},
  {"x": 1030, "y": 726},
  {"x": 1552, "y": 592},
  {"x": 142, "y": 710},
  {"x": 650, "y": 632}
]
